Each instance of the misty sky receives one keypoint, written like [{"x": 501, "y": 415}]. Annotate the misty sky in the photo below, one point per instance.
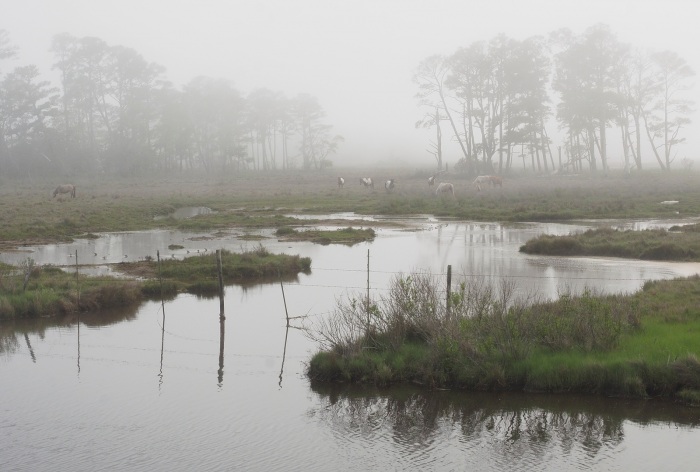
[{"x": 357, "y": 57}]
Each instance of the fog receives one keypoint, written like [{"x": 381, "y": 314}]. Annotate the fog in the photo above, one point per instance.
[{"x": 356, "y": 57}]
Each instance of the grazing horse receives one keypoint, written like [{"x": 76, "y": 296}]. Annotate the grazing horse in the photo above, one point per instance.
[
  {"x": 389, "y": 185},
  {"x": 444, "y": 188},
  {"x": 431, "y": 181},
  {"x": 367, "y": 182},
  {"x": 65, "y": 188},
  {"x": 496, "y": 180},
  {"x": 341, "y": 182},
  {"x": 481, "y": 180}
]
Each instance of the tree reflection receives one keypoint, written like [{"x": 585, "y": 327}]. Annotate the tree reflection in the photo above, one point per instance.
[{"x": 513, "y": 424}]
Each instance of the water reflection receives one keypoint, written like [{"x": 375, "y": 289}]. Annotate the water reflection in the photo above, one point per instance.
[
  {"x": 220, "y": 372},
  {"x": 10, "y": 329},
  {"x": 284, "y": 353},
  {"x": 187, "y": 212},
  {"x": 518, "y": 431}
]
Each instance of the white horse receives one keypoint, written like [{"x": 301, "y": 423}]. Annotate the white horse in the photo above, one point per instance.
[
  {"x": 341, "y": 182},
  {"x": 431, "y": 181},
  {"x": 481, "y": 180},
  {"x": 389, "y": 185},
  {"x": 65, "y": 188},
  {"x": 367, "y": 182},
  {"x": 445, "y": 188}
]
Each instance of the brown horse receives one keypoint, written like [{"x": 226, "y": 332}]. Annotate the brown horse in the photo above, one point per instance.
[
  {"x": 496, "y": 180},
  {"x": 65, "y": 188}
]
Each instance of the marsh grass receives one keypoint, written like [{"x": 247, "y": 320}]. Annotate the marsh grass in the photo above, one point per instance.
[
  {"x": 640, "y": 345},
  {"x": 198, "y": 274},
  {"x": 28, "y": 215},
  {"x": 347, "y": 236},
  {"x": 652, "y": 244},
  {"x": 50, "y": 291}
]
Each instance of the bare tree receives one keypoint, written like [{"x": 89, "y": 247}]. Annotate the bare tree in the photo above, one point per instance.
[{"x": 669, "y": 111}]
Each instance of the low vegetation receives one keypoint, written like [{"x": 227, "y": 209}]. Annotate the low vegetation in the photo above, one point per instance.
[
  {"x": 652, "y": 244},
  {"x": 348, "y": 236},
  {"x": 642, "y": 345},
  {"x": 199, "y": 274},
  {"x": 35, "y": 291},
  {"x": 32, "y": 291}
]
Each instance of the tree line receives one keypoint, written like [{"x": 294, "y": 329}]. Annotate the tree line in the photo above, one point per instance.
[
  {"x": 114, "y": 113},
  {"x": 496, "y": 98}
]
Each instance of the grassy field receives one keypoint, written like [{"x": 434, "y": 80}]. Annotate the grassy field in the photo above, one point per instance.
[{"x": 28, "y": 214}]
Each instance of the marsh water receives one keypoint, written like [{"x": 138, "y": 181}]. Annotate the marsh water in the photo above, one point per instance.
[{"x": 170, "y": 387}]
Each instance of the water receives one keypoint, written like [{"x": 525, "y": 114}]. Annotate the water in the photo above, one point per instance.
[{"x": 172, "y": 388}]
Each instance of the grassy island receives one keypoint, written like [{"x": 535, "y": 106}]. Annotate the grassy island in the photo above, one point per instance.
[
  {"x": 31, "y": 291},
  {"x": 681, "y": 243},
  {"x": 347, "y": 236},
  {"x": 640, "y": 345}
]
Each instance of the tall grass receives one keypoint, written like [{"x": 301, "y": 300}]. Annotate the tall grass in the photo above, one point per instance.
[
  {"x": 652, "y": 244},
  {"x": 489, "y": 339},
  {"x": 49, "y": 291}
]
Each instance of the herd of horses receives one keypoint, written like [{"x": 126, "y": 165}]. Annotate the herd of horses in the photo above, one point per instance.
[{"x": 443, "y": 188}]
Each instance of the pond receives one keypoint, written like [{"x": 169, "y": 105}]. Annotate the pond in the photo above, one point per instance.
[{"x": 170, "y": 387}]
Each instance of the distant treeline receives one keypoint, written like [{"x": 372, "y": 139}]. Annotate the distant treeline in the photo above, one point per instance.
[
  {"x": 495, "y": 99},
  {"x": 115, "y": 113}
]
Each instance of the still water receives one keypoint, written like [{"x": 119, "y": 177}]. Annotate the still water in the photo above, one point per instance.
[{"x": 170, "y": 387}]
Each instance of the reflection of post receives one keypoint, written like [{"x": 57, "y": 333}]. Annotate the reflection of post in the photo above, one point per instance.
[
  {"x": 162, "y": 334},
  {"x": 221, "y": 283},
  {"x": 78, "y": 341},
  {"x": 162, "y": 346},
  {"x": 31, "y": 351},
  {"x": 284, "y": 351},
  {"x": 220, "y": 372}
]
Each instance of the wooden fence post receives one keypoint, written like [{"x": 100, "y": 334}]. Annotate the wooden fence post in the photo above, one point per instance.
[
  {"x": 77, "y": 281},
  {"x": 449, "y": 290},
  {"x": 367, "y": 306},
  {"x": 221, "y": 284}
]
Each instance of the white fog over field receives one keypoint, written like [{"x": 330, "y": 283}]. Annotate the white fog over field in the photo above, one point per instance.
[{"x": 356, "y": 57}]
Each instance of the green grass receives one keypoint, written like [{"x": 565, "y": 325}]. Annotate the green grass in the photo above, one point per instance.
[
  {"x": 51, "y": 291},
  {"x": 653, "y": 244},
  {"x": 347, "y": 236},
  {"x": 199, "y": 274},
  {"x": 640, "y": 345}
]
